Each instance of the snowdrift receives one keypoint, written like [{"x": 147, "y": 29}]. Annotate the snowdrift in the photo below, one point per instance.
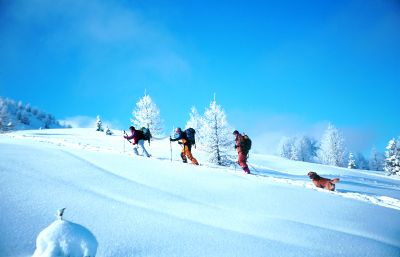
[
  {"x": 65, "y": 239},
  {"x": 139, "y": 206}
]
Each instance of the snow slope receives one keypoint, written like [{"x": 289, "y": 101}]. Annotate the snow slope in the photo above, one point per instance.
[{"x": 137, "y": 206}]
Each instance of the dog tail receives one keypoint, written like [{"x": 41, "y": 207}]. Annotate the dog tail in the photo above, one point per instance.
[{"x": 335, "y": 180}]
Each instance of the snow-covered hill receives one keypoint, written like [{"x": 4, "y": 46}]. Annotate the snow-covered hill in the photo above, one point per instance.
[
  {"x": 17, "y": 116},
  {"x": 137, "y": 206}
]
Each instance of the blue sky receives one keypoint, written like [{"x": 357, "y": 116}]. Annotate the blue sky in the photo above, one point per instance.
[{"x": 277, "y": 67}]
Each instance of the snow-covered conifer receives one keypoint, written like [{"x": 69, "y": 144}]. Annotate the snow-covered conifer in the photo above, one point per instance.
[
  {"x": 48, "y": 120},
  {"x": 392, "y": 157},
  {"x": 20, "y": 105},
  {"x": 25, "y": 118},
  {"x": 352, "y": 162},
  {"x": 99, "y": 124},
  {"x": 35, "y": 111},
  {"x": 333, "y": 149},
  {"x": 4, "y": 116},
  {"x": 147, "y": 114},
  {"x": 28, "y": 107},
  {"x": 295, "y": 153},
  {"x": 218, "y": 139},
  {"x": 285, "y": 147},
  {"x": 305, "y": 148},
  {"x": 376, "y": 160},
  {"x": 361, "y": 161},
  {"x": 301, "y": 148}
]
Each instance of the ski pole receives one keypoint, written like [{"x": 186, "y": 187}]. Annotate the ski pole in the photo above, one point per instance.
[
  {"x": 128, "y": 139},
  {"x": 252, "y": 167},
  {"x": 170, "y": 147},
  {"x": 124, "y": 141}
]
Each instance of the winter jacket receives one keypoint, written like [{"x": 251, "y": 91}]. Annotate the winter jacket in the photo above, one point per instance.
[
  {"x": 238, "y": 143},
  {"x": 136, "y": 136}
]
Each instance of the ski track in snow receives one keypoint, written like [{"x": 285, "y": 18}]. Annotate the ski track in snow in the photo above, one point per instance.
[{"x": 259, "y": 171}]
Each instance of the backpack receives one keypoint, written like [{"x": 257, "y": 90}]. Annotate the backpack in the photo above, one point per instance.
[
  {"x": 139, "y": 134},
  {"x": 190, "y": 134},
  {"x": 146, "y": 134},
  {"x": 245, "y": 144}
]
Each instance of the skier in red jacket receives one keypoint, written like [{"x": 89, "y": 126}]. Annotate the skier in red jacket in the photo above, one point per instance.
[
  {"x": 138, "y": 141},
  {"x": 242, "y": 154}
]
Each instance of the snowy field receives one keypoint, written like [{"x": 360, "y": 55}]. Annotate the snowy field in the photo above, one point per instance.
[{"x": 137, "y": 206}]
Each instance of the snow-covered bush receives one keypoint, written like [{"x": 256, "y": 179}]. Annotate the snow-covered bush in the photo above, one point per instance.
[
  {"x": 218, "y": 139},
  {"x": 392, "y": 157},
  {"x": 108, "y": 131},
  {"x": 333, "y": 149},
  {"x": 146, "y": 114}
]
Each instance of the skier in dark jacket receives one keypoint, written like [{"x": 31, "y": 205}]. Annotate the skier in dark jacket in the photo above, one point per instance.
[
  {"x": 187, "y": 146},
  {"x": 242, "y": 154},
  {"x": 138, "y": 141}
]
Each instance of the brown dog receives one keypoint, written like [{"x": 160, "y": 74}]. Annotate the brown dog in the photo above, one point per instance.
[{"x": 321, "y": 182}]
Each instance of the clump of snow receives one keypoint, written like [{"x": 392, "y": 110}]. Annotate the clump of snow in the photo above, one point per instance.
[{"x": 65, "y": 239}]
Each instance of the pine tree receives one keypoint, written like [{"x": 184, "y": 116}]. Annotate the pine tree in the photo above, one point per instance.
[
  {"x": 301, "y": 148},
  {"x": 392, "y": 157},
  {"x": 219, "y": 139},
  {"x": 146, "y": 114},
  {"x": 48, "y": 121},
  {"x": 362, "y": 163},
  {"x": 99, "y": 126},
  {"x": 376, "y": 160},
  {"x": 4, "y": 116},
  {"x": 196, "y": 122},
  {"x": 333, "y": 149},
  {"x": 285, "y": 147},
  {"x": 305, "y": 148},
  {"x": 295, "y": 153},
  {"x": 352, "y": 162},
  {"x": 20, "y": 106},
  {"x": 25, "y": 118}
]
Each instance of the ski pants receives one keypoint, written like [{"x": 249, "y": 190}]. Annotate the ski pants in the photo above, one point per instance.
[
  {"x": 140, "y": 144},
  {"x": 187, "y": 153},
  {"x": 242, "y": 161}
]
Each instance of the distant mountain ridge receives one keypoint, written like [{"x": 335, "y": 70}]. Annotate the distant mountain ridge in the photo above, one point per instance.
[{"x": 18, "y": 116}]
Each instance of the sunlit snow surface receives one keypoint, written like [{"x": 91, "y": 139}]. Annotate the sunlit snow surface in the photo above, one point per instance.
[{"x": 138, "y": 206}]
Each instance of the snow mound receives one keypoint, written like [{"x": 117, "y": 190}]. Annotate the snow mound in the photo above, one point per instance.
[{"x": 65, "y": 239}]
